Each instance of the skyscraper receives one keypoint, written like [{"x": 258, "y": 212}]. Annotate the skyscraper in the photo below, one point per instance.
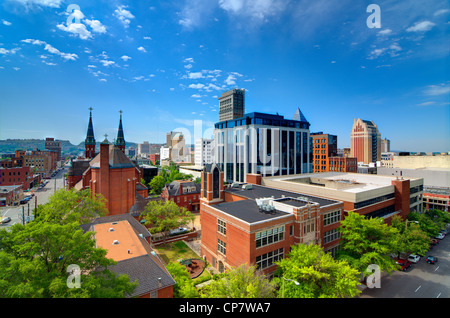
[
  {"x": 365, "y": 141},
  {"x": 265, "y": 144},
  {"x": 232, "y": 104}
]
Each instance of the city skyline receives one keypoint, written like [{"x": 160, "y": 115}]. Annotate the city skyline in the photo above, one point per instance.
[{"x": 164, "y": 64}]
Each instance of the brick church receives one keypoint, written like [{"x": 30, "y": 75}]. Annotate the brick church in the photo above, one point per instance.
[{"x": 109, "y": 173}]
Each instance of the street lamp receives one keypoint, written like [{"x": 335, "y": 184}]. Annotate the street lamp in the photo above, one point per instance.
[{"x": 291, "y": 280}]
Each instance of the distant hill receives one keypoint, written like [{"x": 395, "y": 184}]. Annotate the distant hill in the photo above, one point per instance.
[{"x": 11, "y": 145}]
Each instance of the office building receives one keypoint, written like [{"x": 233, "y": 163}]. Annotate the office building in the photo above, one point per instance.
[
  {"x": 324, "y": 147},
  {"x": 143, "y": 148},
  {"x": 265, "y": 144},
  {"x": 365, "y": 141},
  {"x": 342, "y": 164},
  {"x": 232, "y": 104},
  {"x": 204, "y": 151},
  {"x": 385, "y": 145}
]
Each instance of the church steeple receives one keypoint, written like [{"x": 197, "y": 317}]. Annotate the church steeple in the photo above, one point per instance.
[
  {"x": 89, "y": 143},
  {"x": 120, "y": 141}
]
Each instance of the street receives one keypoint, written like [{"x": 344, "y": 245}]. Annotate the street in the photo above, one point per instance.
[
  {"x": 421, "y": 280},
  {"x": 42, "y": 196}
]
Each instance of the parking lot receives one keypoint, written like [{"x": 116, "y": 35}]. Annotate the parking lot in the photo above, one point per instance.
[{"x": 420, "y": 280}]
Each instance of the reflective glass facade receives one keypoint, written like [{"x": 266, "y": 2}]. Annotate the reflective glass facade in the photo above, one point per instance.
[{"x": 264, "y": 144}]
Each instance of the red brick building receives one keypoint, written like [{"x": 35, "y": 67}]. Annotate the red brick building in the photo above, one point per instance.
[
  {"x": 324, "y": 147},
  {"x": 184, "y": 193},
  {"x": 343, "y": 164},
  {"x": 154, "y": 157},
  {"x": 257, "y": 225},
  {"x": 18, "y": 176}
]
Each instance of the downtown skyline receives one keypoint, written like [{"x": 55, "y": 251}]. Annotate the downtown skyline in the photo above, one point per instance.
[{"x": 165, "y": 63}]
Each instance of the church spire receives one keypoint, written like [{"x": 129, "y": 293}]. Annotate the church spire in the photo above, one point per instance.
[
  {"x": 89, "y": 143},
  {"x": 120, "y": 141}
]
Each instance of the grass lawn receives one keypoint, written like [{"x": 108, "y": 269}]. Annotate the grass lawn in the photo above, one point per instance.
[{"x": 172, "y": 252}]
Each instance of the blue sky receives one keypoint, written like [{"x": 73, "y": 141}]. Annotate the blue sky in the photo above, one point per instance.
[{"x": 164, "y": 63}]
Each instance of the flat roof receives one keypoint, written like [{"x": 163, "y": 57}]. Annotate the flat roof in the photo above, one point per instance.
[
  {"x": 342, "y": 181},
  {"x": 249, "y": 211}
]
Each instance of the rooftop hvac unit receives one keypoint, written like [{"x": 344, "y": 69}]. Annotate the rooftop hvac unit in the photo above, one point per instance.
[
  {"x": 115, "y": 242},
  {"x": 247, "y": 187}
]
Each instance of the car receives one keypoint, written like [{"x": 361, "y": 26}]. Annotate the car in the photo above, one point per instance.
[
  {"x": 432, "y": 259},
  {"x": 5, "y": 220},
  {"x": 440, "y": 236},
  {"x": 405, "y": 264},
  {"x": 413, "y": 258},
  {"x": 178, "y": 231}
]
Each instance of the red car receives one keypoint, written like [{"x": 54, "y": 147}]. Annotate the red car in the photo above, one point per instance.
[{"x": 405, "y": 264}]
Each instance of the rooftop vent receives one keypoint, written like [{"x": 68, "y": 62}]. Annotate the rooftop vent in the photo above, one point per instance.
[
  {"x": 111, "y": 229},
  {"x": 115, "y": 242},
  {"x": 247, "y": 187}
]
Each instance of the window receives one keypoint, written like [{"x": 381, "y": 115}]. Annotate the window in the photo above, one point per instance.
[
  {"x": 221, "y": 247},
  {"x": 221, "y": 227},
  {"x": 269, "y": 259},
  {"x": 332, "y": 217},
  {"x": 269, "y": 236},
  {"x": 308, "y": 227},
  {"x": 331, "y": 236}
]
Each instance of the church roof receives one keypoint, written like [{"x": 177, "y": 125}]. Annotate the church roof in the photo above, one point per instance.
[
  {"x": 90, "y": 140},
  {"x": 120, "y": 136},
  {"x": 117, "y": 159}
]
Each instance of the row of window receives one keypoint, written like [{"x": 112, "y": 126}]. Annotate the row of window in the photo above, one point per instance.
[{"x": 14, "y": 173}]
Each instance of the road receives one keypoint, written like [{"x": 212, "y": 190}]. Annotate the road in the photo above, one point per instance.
[
  {"x": 42, "y": 196},
  {"x": 422, "y": 280}
]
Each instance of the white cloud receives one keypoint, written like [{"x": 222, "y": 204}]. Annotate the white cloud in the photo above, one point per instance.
[
  {"x": 40, "y": 3},
  {"x": 142, "y": 49},
  {"x": 189, "y": 60},
  {"x": 77, "y": 29},
  {"x": 123, "y": 15},
  {"x": 421, "y": 26},
  {"x": 434, "y": 90},
  {"x": 385, "y": 32},
  {"x": 107, "y": 63},
  {"x": 442, "y": 11},
  {"x": 147, "y": 38},
  {"x": 6, "y": 22},
  {"x": 231, "y": 80},
  {"x": 196, "y": 96},
  {"x": 189, "y": 66},
  {"x": 12, "y": 51},
  {"x": 195, "y": 75},
  {"x": 125, "y": 57},
  {"x": 197, "y": 86},
  {"x": 258, "y": 9},
  {"x": 51, "y": 49},
  {"x": 96, "y": 26}
]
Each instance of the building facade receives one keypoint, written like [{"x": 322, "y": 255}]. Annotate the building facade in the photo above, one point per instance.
[
  {"x": 343, "y": 164},
  {"x": 257, "y": 225},
  {"x": 365, "y": 141},
  {"x": 18, "y": 176},
  {"x": 264, "y": 144},
  {"x": 204, "y": 151},
  {"x": 324, "y": 147},
  {"x": 232, "y": 104},
  {"x": 41, "y": 162},
  {"x": 184, "y": 193},
  {"x": 54, "y": 145}
]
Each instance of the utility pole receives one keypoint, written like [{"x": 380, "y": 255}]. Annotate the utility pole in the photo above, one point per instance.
[
  {"x": 23, "y": 215},
  {"x": 35, "y": 207}
]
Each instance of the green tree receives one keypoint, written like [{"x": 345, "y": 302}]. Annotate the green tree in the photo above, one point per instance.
[
  {"x": 34, "y": 260},
  {"x": 412, "y": 239},
  {"x": 184, "y": 287},
  {"x": 319, "y": 275},
  {"x": 157, "y": 184},
  {"x": 66, "y": 206},
  {"x": 367, "y": 241},
  {"x": 427, "y": 222},
  {"x": 164, "y": 216},
  {"x": 242, "y": 282}
]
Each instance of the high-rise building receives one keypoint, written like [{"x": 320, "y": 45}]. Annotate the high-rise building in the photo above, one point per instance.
[
  {"x": 232, "y": 104},
  {"x": 365, "y": 141},
  {"x": 265, "y": 144},
  {"x": 89, "y": 143},
  {"x": 385, "y": 145},
  {"x": 143, "y": 148},
  {"x": 204, "y": 151},
  {"x": 324, "y": 147}
]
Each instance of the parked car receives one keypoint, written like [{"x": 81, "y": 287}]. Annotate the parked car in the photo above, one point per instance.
[
  {"x": 413, "y": 258},
  {"x": 405, "y": 264},
  {"x": 432, "y": 259},
  {"x": 5, "y": 220},
  {"x": 178, "y": 231},
  {"x": 440, "y": 236}
]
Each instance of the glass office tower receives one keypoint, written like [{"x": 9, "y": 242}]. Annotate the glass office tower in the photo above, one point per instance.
[{"x": 264, "y": 144}]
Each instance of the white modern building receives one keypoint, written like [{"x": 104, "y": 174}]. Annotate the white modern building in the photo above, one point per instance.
[
  {"x": 204, "y": 151},
  {"x": 265, "y": 144}
]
